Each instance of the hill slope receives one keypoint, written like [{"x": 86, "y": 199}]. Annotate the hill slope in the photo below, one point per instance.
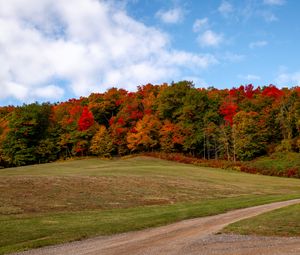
[{"x": 58, "y": 202}]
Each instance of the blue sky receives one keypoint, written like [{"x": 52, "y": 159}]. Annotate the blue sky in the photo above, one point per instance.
[{"x": 54, "y": 50}]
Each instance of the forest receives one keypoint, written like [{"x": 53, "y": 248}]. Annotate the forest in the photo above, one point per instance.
[{"x": 237, "y": 124}]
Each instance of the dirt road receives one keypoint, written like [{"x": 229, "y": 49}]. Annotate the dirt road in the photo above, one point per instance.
[{"x": 189, "y": 237}]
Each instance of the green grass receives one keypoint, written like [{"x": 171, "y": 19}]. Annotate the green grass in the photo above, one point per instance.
[
  {"x": 64, "y": 201},
  {"x": 24, "y": 232},
  {"x": 281, "y": 222},
  {"x": 278, "y": 162}
]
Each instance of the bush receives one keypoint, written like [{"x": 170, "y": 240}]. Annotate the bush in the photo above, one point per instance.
[
  {"x": 278, "y": 164},
  {"x": 293, "y": 172}
]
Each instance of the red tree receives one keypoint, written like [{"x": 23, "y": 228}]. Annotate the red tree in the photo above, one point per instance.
[
  {"x": 86, "y": 119},
  {"x": 228, "y": 110},
  {"x": 272, "y": 91}
]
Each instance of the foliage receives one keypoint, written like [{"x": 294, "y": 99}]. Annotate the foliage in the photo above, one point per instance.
[
  {"x": 27, "y": 127},
  {"x": 280, "y": 163},
  {"x": 86, "y": 119},
  {"x": 171, "y": 136},
  {"x": 241, "y": 123},
  {"x": 144, "y": 136},
  {"x": 248, "y": 135},
  {"x": 101, "y": 144}
]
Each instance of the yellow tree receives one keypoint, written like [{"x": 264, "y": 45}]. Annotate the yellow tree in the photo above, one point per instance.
[
  {"x": 249, "y": 135},
  {"x": 101, "y": 144},
  {"x": 144, "y": 136}
]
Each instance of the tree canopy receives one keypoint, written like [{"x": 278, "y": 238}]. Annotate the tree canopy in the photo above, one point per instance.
[{"x": 233, "y": 124}]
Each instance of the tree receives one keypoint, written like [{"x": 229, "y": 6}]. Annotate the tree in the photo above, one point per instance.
[
  {"x": 28, "y": 126},
  {"x": 101, "y": 144},
  {"x": 105, "y": 106},
  {"x": 86, "y": 119},
  {"x": 171, "y": 100},
  {"x": 145, "y": 135},
  {"x": 122, "y": 124},
  {"x": 248, "y": 135},
  {"x": 228, "y": 110},
  {"x": 172, "y": 136},
  {"x": 272, "y": 92},
  {"x": 224, "y": 139},
  {"x": 288, "y": 119},
  {"x": 239, "y": 123},
  {"x": 4, "y": 129},
  {"x": 46, "y": 150}
]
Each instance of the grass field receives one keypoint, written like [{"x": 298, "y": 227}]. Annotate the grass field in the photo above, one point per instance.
[
  {"x": 64, "y": 201},
  {"x": 281, "y": 222},
  {"x": 279, "y": 163}
]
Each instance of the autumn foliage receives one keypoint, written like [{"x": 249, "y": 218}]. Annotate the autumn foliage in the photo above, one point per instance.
[
  {"x": 86, "y": 120},
  {"x": 235, "y": 124},
  {"x": 228, "y": 110}
]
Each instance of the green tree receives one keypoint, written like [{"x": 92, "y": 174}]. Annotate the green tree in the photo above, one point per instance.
[
  {"x": 28, "y": 126},
  {"x": 171, "y": 100},
  {"x": 46, "y": 150}
]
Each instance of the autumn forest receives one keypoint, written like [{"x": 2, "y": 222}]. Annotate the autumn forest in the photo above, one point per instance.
[{"x": 237, "y": 124}]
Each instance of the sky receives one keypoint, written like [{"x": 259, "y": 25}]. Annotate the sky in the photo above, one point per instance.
[{"x": 55, "y": 50}]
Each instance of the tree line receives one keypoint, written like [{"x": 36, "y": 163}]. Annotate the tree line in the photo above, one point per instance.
[{"x": 233, "y": 124}]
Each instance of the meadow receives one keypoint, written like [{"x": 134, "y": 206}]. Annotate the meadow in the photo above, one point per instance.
[
  {"x": 65, "y": 201},
  {"x": 280, "y": 222}
]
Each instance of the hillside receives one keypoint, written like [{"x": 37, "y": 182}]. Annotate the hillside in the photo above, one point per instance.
[{"x": 64, "y": 201}]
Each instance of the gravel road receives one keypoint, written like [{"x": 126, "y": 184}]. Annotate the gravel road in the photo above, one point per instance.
[{"x": 188, "y": 237}]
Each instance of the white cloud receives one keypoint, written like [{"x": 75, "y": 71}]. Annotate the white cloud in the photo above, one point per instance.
[
  {"x": 250, "y": 77},
  {"x": 200, "y": 24},
  {"x": 248, "y": 10},
  {"x": 12, "y": 89},
  {"x": 90, "y": 45},
  {"x": 27, "y": 94},
  {"x": 286, "y": 79},
  {"x": 225, "y": 8},
  {"x": 207, "y": 37},
  {"x": 210, "y": 39},
  {"x": 274, "y": 2},
  {"x": 258, "y": 44},
  {"x": 172, "y": 16},
  {"x": 48, "y": 92}
]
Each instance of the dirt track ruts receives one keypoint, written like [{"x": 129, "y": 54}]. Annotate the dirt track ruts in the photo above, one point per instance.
[{"x": 187, "y": 237}]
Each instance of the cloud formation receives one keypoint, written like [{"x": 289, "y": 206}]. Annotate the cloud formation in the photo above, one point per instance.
[
  {"x": 210, "y": 39},
  {"x": 172, "y": 16},
  {"x": 285, "y": 78},
  {"x": 245, "y": 10},
  {"x": 225, "y": 8},
  {"x": 250, "y": 77},
  {"x": 49, "y": 48},
  {"x": 200, "y": 24}
]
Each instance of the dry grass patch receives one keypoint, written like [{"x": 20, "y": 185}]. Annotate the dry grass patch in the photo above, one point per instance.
[
  {"x": 33, "y": 194},
  {"x": 103, "y": 184}
]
